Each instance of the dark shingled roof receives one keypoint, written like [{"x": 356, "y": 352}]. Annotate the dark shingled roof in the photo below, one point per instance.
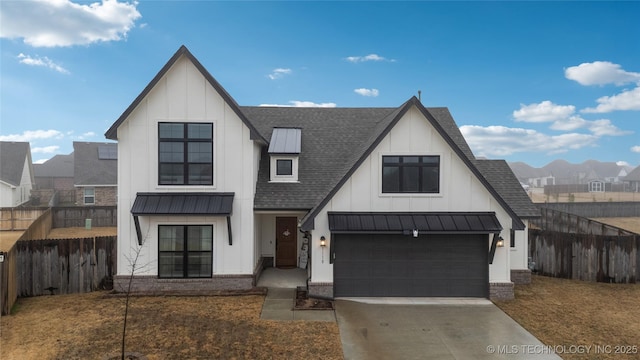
[
  {"x": 633, "y": 175},
  {"x": 402, "y": 222},
  {"x": 326, "y": 154},
  {"x": 199, "y": 203},
  {"x": 89, "y": 169},
  {"x": 58, "y": 166},
  {"x": 504, "y": 181},
  {"x": 12, "y": 158}
]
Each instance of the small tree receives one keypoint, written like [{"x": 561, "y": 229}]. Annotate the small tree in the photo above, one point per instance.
[{"x": 135, "y": 266}]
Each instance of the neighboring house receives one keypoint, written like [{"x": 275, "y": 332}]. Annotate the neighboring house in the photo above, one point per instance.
[
  {"x": 633, "y": 180},
  {"x": 55, "y": 173},
  {"x": 16, "y": 173},
  {"x": 95, "y": 173},
  {"x": 384, "y": 201}
]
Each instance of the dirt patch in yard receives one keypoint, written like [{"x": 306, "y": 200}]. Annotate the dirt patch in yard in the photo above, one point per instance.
[
  {"x": 89, "y": 326},
  {"x": 564, "y": 313}
]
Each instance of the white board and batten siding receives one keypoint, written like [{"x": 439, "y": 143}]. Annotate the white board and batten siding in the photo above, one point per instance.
[
  {"x": 460, "y": 190},
  {"x": 184, "y": 95}
]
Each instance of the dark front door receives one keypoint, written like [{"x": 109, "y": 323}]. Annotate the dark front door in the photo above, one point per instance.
[{"x": 286, "y": 241}]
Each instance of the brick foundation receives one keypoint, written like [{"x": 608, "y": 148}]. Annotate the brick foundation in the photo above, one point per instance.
[
  {"x": 501, "y": 291},
  {"x": 151, "y": 284},
  {"x": 521, "y": 276},
  {"x": 321, "y": 289}
]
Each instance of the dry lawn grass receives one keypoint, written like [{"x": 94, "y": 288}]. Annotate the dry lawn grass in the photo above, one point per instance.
[
  {"x": 627, "y": 223},
  {"x": 563, "y": 312},
  {"x": 537, "y": 196},
  {"x": 89, "y": 326},
  {"x": 80, "y": 232}
]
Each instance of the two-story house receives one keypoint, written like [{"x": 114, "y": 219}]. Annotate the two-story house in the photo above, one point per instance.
[{"x": 372, "y": 201}]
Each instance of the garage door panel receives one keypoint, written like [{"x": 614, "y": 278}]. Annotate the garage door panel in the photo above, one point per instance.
[{"x": 396, "y": 265}]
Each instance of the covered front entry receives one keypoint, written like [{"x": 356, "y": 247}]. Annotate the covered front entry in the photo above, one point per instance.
[
  {"x": 411, "y": 254},
  {"x": 400, "y": 265}
]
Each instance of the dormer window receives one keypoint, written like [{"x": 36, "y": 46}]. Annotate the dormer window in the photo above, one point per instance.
[{"x": 284, "y": 151}]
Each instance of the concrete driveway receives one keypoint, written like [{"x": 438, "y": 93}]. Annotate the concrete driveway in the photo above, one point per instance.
[{"x": 433, "y": 329}]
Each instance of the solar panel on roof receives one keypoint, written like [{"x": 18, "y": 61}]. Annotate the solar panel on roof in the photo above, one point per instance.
[{"x": 108, "y": 152}]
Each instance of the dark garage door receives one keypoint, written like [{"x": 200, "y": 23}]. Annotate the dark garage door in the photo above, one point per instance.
[{"x": 400, "y": 265}]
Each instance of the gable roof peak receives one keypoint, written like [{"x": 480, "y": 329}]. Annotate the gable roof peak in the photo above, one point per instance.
[{"x": 112, "y": 132}]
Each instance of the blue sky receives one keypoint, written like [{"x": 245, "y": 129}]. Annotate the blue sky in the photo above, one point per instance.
[{"x": 525, "y": 81}]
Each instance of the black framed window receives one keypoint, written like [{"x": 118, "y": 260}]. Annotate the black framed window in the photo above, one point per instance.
[
  {"x": 411, "y": 174},
  {"x": 185, "y": 154},
  {"x": 284, "y": 167},
  {"x": 185, "y": 251}
]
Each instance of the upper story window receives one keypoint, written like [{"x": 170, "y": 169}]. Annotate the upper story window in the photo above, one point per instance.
[
  {"x": 411, "y": 174},
  {"x": 284, "y": 167},
  {"x": 284, "y": 151},
  {"x": 185, "y": 154}
]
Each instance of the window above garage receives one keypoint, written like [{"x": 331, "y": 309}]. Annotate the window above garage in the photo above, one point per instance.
[
  {"x": 284, "y": 152},
  {"x": 410, "y": 174}
]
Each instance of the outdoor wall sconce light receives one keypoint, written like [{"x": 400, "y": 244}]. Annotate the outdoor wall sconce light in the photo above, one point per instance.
[
  {"x": 323, "y": 241},
  {"x": 1, "y": 256},
  {"x": 500, "y": 242},
  {"x": 415, "y": 232}
]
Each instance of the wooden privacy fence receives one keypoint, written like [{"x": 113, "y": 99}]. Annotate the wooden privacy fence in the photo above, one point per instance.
[
  {"x": 18, "y": 218},
  {"x": 573, "y": 247},
  {"x": 64, "y": 266},
  {"x": 8, "y": 288},
  {"x": 76, "y": 216},
  {"x": 602, "y": 258}
]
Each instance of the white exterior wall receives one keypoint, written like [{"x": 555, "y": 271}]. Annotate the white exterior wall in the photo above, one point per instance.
[
  {"x": 520, "y": 253},
  {"x": 184, "y": 95},
  {"x": 460, "y": 191},
  {"x": 10, "y": 195}
]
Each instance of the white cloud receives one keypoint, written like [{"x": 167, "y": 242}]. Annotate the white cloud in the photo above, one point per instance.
[
  {"x": 51, "y": 23},
  {"x": 543, "y": 112},
  {"x": 278, "y": 73},
  {"x": 38, "y": 61},
  {"x": 622, "y": 163},
  {"x": 600, "y": 73},
  {"x": 40, "y": 161},
  {"x": 500, "y": 141},
  {"x": 605, "y": 127},
  {"x": 296, "y": 103},
  {"x": 626, "y": 100},
  {"x": 31, "y": 135},
  {"x": 367, "y": 92},
  {"x": 370, "y": 57},
  {"x": 636, "y": 148},
  {"x": 45, "y": 149}
]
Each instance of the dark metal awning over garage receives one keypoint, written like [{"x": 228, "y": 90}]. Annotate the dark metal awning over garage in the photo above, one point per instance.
[
  {"x": 182, "y": 204},
  {"x": 408, "y": 222}
]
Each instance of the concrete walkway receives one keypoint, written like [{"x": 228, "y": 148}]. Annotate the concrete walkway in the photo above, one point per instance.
[
  {"x": 281, "y": 287},
  {"x": 433, "y": 329},
  {"x": 278, "y": 305}
]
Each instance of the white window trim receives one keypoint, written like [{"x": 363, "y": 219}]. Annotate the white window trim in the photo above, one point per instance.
[
  {"x": 84, "y": 196},
  {"x": 411, "y": 153},
  {"x": 283, "y": 178}
]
